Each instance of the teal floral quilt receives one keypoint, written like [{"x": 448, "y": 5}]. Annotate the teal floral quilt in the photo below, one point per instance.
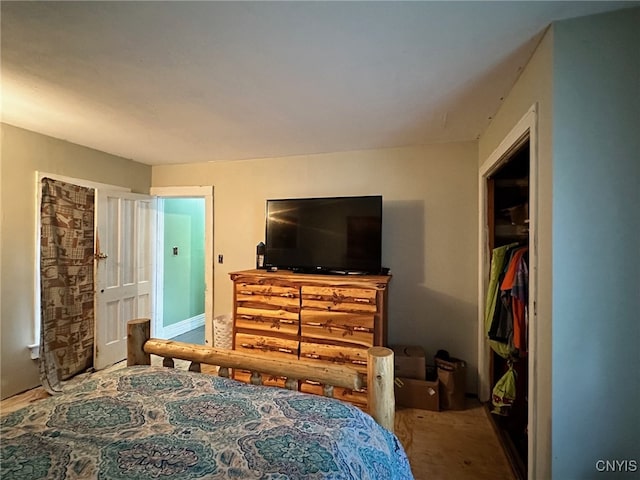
[{"x": 157, "y": 423}]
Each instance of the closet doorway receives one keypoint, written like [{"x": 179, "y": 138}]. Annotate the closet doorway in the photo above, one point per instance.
[{"x": 507, "y": 211}]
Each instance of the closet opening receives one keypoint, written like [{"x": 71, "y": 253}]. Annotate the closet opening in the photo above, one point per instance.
[{"x": 507, "y": 316}]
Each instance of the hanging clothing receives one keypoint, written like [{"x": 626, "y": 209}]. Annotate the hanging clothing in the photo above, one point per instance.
[
  {"x": 501, "y": 329},
  {"x": 502, "y": 323},
  {"x": 499, "y": 259},
  {"x": 520, "y": 296},
  {"x": 515, "y": 301},
  {"x": 504, "y": 392},
  {"x": 506, "y": 321}
]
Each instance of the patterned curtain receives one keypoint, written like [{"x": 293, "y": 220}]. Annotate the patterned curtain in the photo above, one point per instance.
[{"x": 67, "y": 290}]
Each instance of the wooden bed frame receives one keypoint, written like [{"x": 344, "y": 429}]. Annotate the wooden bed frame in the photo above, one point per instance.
[{"x": 379, "y": 378}]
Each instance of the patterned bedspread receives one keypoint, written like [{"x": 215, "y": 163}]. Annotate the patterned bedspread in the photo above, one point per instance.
[{"x": 157, "y": 423}]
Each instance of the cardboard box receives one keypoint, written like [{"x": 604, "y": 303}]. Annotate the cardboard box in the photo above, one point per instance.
[
  {"x": 409, "y": 361},
  {"x": 452, "y": 374},
  {"x": 414, "y": 393}
]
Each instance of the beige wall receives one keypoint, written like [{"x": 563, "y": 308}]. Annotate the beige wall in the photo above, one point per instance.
[
  {"x": 429, "y": 228},
  {"x": 535, "y": 87},
  {"x": 23, "y": 153}
]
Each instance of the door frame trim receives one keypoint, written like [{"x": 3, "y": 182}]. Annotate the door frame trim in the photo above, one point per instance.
[
  {"x": 206, "y": 192},
  {"x": 526, "y": 127}
]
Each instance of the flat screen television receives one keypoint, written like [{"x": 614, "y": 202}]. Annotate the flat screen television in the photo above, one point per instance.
[{"x": 325, "y": 235}]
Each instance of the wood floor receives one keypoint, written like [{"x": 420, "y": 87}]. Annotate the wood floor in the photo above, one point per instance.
[
  {"x": 451, "y": 444},
  {"x": 443, "y": 445}
]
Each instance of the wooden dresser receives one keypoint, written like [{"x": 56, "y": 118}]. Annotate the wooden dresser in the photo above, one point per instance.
[{"x": 324, "y": 318}]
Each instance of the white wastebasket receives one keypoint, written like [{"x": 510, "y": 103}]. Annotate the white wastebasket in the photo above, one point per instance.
[{"x": 222, "y": 331}]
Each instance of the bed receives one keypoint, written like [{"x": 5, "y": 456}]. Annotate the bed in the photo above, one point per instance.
[{"x": 152, "y": 422}]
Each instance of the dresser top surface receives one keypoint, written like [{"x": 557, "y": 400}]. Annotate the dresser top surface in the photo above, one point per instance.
[{"x": 305, "y": 278}]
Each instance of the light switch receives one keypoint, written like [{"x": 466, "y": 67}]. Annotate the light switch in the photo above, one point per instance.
[
  {"x": 220, "y": 258},
  {"x": 175, "y": 250}
]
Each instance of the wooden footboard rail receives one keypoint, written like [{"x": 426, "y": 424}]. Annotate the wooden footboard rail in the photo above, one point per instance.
[{"x": 379, "y": 378}]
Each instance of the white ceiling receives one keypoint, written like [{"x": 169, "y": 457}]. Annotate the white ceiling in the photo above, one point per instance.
[{"x": 182, "y": 82}]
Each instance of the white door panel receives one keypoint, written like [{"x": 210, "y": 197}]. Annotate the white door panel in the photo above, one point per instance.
[{"x": 124, "y": 270}]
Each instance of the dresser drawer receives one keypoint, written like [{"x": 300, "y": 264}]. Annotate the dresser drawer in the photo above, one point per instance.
[
  {"x": 340, "y": 299},
  {"x": 268, "y": 295},
  {"x": 354, "y": 328},
  {"x": 335, "y": 354},
  {"x": 267, "y": 320},
  {"x": 269, "y": 380},
  {"x": 357, "y": 397},
  {"x": 273, "y": 347}
]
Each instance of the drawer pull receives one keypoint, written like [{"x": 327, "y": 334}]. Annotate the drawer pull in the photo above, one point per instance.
[
  {"x": 285, "y": 350},
  {"x": 362, "y": 329},
  {"x": 314, "y": 324},
  {"x": 359, "y": 362},
  {"x": 361, "y": 300},
  {"x": 277, "y": 322},
  {"x": 312, "y": 355}
]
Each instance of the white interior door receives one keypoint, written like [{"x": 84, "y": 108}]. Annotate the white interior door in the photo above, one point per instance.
[{"x": 125, "y": 243}]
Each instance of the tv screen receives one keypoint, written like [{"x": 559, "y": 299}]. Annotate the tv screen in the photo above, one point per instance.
[{"x": 325, "y": 235}]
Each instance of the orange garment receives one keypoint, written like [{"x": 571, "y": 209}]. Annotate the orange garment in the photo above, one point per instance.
[{"x": 517, "y": 305}]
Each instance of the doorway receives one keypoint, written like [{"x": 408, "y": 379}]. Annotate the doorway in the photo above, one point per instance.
[
  {"x": 180, "y": 269},
  {"x": 184, "y": 264},
  {"x": 522, "y": 136},
  {"x": 118, "y": 287},
  {"x": 126, "y": 207}
]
